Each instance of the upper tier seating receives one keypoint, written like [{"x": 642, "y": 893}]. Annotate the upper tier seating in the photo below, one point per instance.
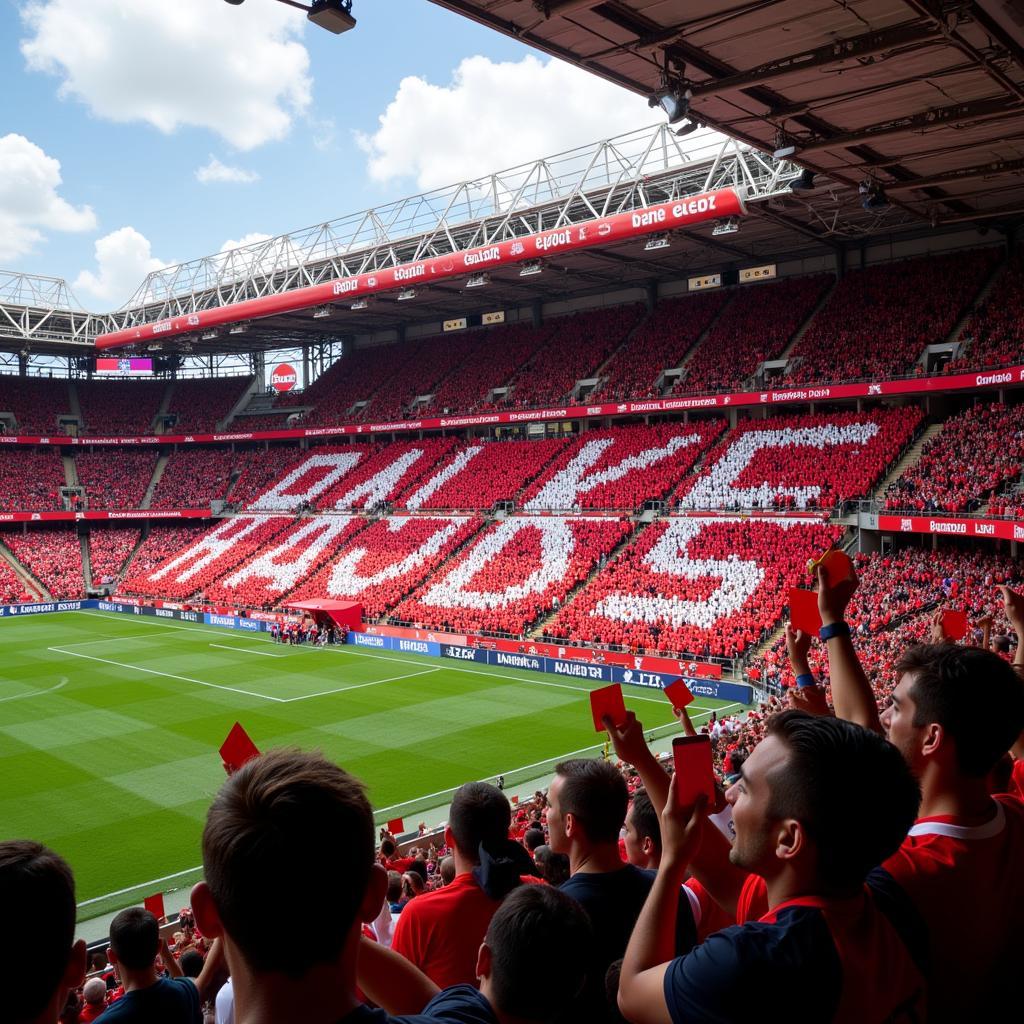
[
  {"x": 30, "y": 479},
  {"x": 201, "y": 404},
  {"x": 54, "y": 557},
  {"x": 119, "y": 408},
  {"x": 115, "y": 479},
  {"x": 109, "y": 547}
]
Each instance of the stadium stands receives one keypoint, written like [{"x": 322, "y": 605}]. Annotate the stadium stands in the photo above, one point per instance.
[
  {"x": 975, "y": 453},
  {"x": 387, "y": 560},
  {"x": 201, "y": 404},
  {"x": 660, "y": 343},
  {"x": 994, "y": 335},
  {"x": 161, "y": 543},
  {"x": 257, "y": 469},
  {"x": 35, "y": 403},
  {"x": 754, "y": 327},
  {"x": 30, "y": 480},
  {"x": 113, "y": 408},
  {"x": 868, "y": 329},
  {"x": 514, "y": 573},
  {"x": 53, "y": 556},
  {"x": 118, "y": 481},
  {"x": 109, "y": 548},
  {"x": 12, "y": 589},
  {"x": 800, "y": 462},
  {"x": 193, "y": 477},
  {"x": 695, "y": 587}
]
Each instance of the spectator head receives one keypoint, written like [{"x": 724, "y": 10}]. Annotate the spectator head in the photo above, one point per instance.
[
  {"x": 480, "y": 815},
  {"x": 99, "y": 960},
  {"x": 94, "y": 992},
  {"x": 419, "y": 867},
  {"x": 191, "y": 963},
  {"x": 304, "y": 822},
  {"x": 933, "y": 719},
  {"x": 532, "y": 838},
  {"x": 447, "y": 870},
  {"x": 394, "y": 891},
  {"x": 822, "y": 800},
  {"x": 587, "y": 804},
  {"x": 533, "y": 959},
  {"x": 388, "y": 848},
  {"x": 37, "y": 890},
  {"x": 643, "y": 832},
  {"x": 999, "y": 644},
  {"x": 134, "y": 939},
  {"x": 553, "y": 867}
]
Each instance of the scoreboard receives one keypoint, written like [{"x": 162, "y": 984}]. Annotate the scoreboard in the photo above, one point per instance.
[{"x": 125, "y": 367}]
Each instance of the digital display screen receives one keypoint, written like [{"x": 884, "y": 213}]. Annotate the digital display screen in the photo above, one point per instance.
[{"x": 125, "y": 366}]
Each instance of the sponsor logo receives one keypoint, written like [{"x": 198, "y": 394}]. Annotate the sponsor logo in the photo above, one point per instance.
[
  {"x": 189, "y": 616},
  {"x": 222, "y": 620},
  {"x": 604, "y": 228},
  {"x": 553, "y": 240},
  {"x": 461, "y": 653},
  {"x": 249, "y": 624},
  {"x": 517, "y": 249},
  {"x": 416, "y": 646},
  {"x": 993, "y": 378},
  {"x": 517, "y": 661},
  {"x": 934, "y": 526},
  {"x": 702, "y": 204},
  {"x": 284, "y": 377},
  {"x": 764, "y": 396},
  {"x": 1018, "y": 532},
  {"x": 69, "y": 606},
  {"x": 344, "y": 287},
  {"x": 906, "y": 525},
  {"x": 410, "y": 273},
  {"x": 985, "y": 529},
  {"x": 703, "y": 690},
  {"x": 593, "y": 410},
  {"x": 192, "y": 320},
  {"x": 874, "y": 389},
  {"x": 163, "y": 613},
  {"x": 578, "y": 670},
  {"x": 471, "y": 259},
  {"x": 648, "y": 218},
  {"x": 160, "y": 328},
  {"x": 363, "y": 640}
]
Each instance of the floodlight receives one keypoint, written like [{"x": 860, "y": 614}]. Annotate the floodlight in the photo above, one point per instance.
[
  {"x": 729, "y": 226},
  {"x": 803, "y": 183},
  {"x": 208, "y": 335},
  {"x": 333, "y": 15},
  {"x": 239, "y": 328},
  {"x": 360, "y": 304},
  {"x": 531, "y": 267},
  {"x": 674, "y": 101},
  {"x": 477, "y": 281},
  {"x": 657, "y": 242},
  {"x": 406, "y": 293},
  {"x": 872, "y": 196},
  {"x": 323, "y": 312}
]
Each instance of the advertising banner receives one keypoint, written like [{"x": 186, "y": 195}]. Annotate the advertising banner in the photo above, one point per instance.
[{"x": 998, "y": 529}]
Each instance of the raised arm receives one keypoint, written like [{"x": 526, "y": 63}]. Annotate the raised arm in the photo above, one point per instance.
[
  {"x": 852, "y": 696},
  {"x": 391, "y": 981},
  {"x": 631, "y": 747},
  {"x": 1013, "y": 606}
]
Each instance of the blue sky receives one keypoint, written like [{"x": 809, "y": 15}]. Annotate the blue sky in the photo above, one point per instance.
[{"x": 133, "y": 99}]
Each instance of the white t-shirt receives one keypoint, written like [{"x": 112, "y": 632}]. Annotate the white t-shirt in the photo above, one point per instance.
[{"x": 226, "y": 1004}]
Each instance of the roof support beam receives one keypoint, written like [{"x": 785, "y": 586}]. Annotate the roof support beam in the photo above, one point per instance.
[
  {"x": 819, "y": 57},
  {"x": 963, "y": 174}
]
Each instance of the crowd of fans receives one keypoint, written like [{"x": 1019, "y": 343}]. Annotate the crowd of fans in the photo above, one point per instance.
[
  {"x": 754, "y": 327},
  {"x": 109, "y": 548},
  {"x": 118, "y": 481},
  {"x": 974, "y": 454},
  {"x": 36, "y": 403},
  {"x": 994, "y": 336},
  {"x": 161, "y": 543},
  {"x": 193, "y": 477},
  {"x": 659, "y": 343},
  {"x": 30, "y": 480},
  {"x": 694, "y": 587},
  {"x": 203, "y": 403},
  {"x": 257, "y": 469},
  {"x": 868, "y": 330},
  {"x": 53, "y": 556},
  {"x": 800, "y": 462},
  {"x": 390, "y": 558},
  {"x": 515, "y": 573},
  {"x": 112, "y": 408},
  {"x": 12, "y": 587},
  {"x": 621, "y": 467}
]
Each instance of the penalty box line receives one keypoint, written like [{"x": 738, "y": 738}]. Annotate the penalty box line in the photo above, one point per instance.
[
  {"x": 378, "y": 810},
  {"x": 236, "y": 689},
  {"x": 347, "y": 652}
]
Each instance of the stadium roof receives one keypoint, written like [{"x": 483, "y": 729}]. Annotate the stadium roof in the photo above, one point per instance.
[{"x": 925, "y": 97}]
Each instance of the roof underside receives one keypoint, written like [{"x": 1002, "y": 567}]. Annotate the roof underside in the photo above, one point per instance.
[{"x": 925, "y": 96}]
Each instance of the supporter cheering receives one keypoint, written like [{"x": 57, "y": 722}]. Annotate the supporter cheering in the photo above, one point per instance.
[
  {"x": 37, "y": 890},
  {"x": 440, "y": 932},
  {"x": 828, "y": 947}
]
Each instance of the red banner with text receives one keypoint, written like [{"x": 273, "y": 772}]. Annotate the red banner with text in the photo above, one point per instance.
[{"x": 997, "y": 529}]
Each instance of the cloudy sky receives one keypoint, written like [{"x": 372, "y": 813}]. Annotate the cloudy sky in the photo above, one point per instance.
[{"x": 140, "y": 134}]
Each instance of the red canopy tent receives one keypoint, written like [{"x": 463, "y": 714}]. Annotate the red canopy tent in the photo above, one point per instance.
[{"x": 345, "y": 614}]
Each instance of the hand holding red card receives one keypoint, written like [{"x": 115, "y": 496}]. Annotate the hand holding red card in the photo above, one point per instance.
[
  {"x": 679, "y": 694},
  {"x": 803, "y": 611},
  {"x": 836, "y": 564},
  {"x": 155, "y": 905},
  {"x": 954, "y": 624},
  {"x": 237, "y": 748},
  {"x": 608, "y": 701}
]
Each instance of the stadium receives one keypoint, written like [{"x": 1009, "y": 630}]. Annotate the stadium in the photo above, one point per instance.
[{"x": 410, "y": 486}]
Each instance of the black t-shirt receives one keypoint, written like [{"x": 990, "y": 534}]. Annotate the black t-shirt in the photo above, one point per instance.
[
  {"x": 613, "y": 901},
  {"x": 169, "y": 1001},
  {"x": 461, "y": 1004}
]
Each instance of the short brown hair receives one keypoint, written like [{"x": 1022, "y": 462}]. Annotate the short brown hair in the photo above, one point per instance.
[
  {"x": 37, "y": 892},
  {"x": 596, "y": 795},
  {"x": 288, "y": 851}
]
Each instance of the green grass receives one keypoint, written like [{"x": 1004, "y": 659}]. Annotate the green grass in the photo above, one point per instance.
[{"x": 110, "y": 725}]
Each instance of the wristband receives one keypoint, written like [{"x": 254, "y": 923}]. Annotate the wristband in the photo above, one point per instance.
[
  {"x": 805, "y": 679},
  {"x": 835, "y": 629}
]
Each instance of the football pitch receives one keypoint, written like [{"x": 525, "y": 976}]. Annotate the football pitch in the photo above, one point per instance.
[{"x": 110, "y": 727}]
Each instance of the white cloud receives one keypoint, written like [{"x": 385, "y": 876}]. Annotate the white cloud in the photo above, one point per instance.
[
  {"x": 241, "y": 73},
  {"x": 250, "y": 239},
  {"x": 494, "y": 116},
  {"x": 216, "y": 172},
  {"x": 29, "y": 202},
  {"x": 123, "y": 259}
]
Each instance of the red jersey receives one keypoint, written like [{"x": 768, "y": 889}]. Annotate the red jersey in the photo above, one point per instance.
[
  {"x": 1017, "y": 778},
  {"x": 707, "y": 914},
  {"x": 441, "y": 931},
  {"x": 967, "y": 882}
]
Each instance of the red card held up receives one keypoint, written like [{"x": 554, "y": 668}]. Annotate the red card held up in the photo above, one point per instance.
[
  {"x": 803, "y": 611},
  {"x": 837, "y": 566},
  {"x": 155, "y": 905},
  {"x": 679, "y": 693},
  {"x": 396, "y": 826},
  {"x": 238, "y": 748},
  {"x": 608, "y": 701},
  {"x": 954, "y": 624}
]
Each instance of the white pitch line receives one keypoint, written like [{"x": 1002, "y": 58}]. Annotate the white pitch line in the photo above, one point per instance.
[
  {"x": 166, "y": 675},
  {"x": 359, "y": 686},
  {"x": 34, "y": 693},
  {"x": 379, "y": 810},
  {"x": 245, "y": 650},
  {"x": 109, "y": 639}
]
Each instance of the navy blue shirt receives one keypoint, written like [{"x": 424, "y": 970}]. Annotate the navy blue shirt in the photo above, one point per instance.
[
  {"x": 461, "y": 1004},
  {"x": 169, "y": 1001}
]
